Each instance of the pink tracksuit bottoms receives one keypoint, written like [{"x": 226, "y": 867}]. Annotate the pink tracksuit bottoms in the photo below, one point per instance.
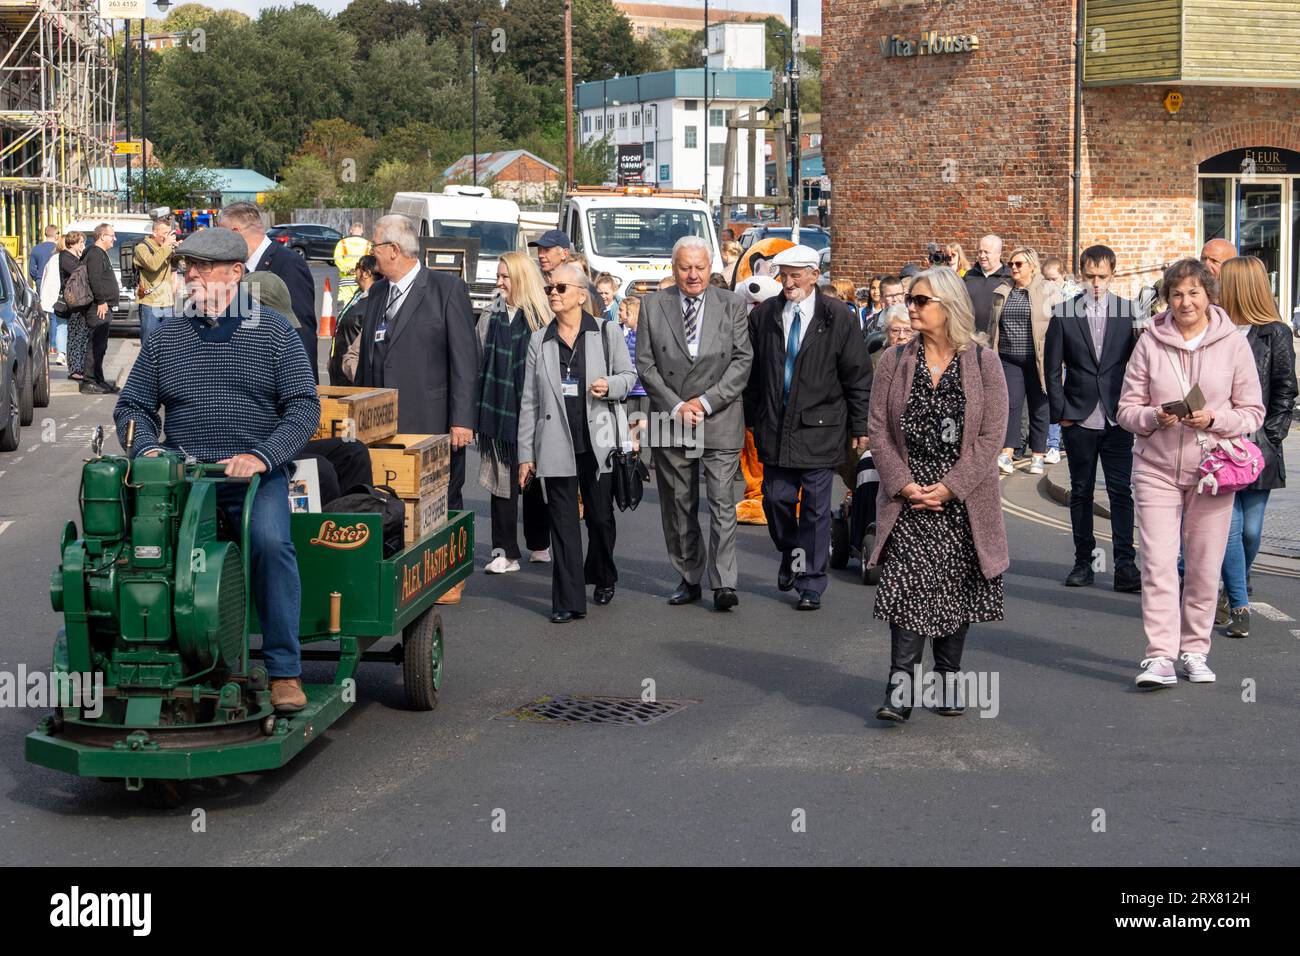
[{"x": 1167, "y": 515}]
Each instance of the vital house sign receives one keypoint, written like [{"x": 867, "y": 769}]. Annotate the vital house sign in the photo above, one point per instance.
[{"x": 928, "y": 44}]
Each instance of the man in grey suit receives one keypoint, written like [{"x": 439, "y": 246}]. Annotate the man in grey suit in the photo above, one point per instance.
[{"x": 693, "y": 356}]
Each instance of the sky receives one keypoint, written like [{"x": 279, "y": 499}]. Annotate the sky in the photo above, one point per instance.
[{"x": 810, "y": 11}]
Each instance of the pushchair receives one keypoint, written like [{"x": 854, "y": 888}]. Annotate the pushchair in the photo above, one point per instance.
[{"x": 853, "y": 527}]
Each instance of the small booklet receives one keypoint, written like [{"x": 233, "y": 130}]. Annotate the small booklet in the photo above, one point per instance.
[{"x": 1194, "y": 402}]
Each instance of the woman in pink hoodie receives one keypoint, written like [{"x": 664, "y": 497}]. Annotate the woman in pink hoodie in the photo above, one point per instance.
[{"x": 1203, "y": 343}]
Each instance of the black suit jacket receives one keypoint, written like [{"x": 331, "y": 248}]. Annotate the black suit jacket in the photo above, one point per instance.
[
  {"x": 830, "y": 391},
  {"x": 432, "y": 357},
  {"x": 282, "y": 261},
  {"x": 1069, "y": 346}
]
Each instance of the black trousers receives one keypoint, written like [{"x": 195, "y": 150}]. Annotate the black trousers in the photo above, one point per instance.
[
  {"x": 340, "y": 464},
  {"x": 809, "y": 533},
  {"x": 1113, "y": 447},
  {"x": 505, "y": 518},
  {"x": 1022, "y": 384},
  {"x": 456, "y": 481},
  {"x": 569, "y": 573},
  {"x": 98, "y": 348},
  {"x": 906, "y": 650}
]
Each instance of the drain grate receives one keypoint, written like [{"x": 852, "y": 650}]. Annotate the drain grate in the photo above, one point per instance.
[{"x": 596, "y": 710}]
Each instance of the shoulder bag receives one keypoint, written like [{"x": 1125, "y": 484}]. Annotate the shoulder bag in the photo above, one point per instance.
[
  {"x": 1227, "y": 464},
  {"x": 627, "y": 472}
]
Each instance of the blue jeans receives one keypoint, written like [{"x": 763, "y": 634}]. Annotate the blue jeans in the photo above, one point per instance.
[
  {"x": 1244, "y": 537},
  {"x": 1054, "y": 437},
  {"x": 277, "y": 590},
  {"x": 151, "y": 316},
  {"x": 58, "y": 332}
]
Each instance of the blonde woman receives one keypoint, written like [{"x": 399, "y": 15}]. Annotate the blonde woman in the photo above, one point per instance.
[
  {"x": 1022, "y": 311},
  {"x": 730, "y": 256},
  {"x": 1247, "y": 299},
  {"x": 938, "y": 411},
  {"x": 520, "y": 310},
  {"x": 959, "y": 263}
]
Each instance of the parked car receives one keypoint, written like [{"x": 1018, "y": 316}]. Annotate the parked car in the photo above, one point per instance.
[
  {"x": 24, "y": 353},
  {"x": 815, "y": 237},
  {"x": 307, "y": 239}
]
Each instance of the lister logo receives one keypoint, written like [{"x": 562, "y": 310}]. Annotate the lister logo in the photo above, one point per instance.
[
  {"x": 930, "y": 43},
  {"x": 77, "y": 909}
]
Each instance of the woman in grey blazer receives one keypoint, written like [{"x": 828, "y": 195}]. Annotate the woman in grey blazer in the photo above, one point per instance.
[{"x": 570, "y": 420}]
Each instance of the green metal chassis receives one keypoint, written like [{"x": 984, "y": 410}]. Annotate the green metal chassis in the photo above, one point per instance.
[{"x": 379, "y": 597}]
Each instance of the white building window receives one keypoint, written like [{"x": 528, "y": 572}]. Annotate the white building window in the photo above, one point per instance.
[
  {"x": 651, "y": 115},
  {"x": 650, "y": 150},
  {"x": 586, "y": 122},
  {"x": 718, "y": 117},
  {"x": 691, "y": 137},
  {"x": 717, "y": 154},
  {"x": 609, "y": 122},
  {"x": 622, "y": 120},
  {"x": 599, "y": 124},
  {"x": 636, "y": 119},
  {"x": 691, "y": 105}
]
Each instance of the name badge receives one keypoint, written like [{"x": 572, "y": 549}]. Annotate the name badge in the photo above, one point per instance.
[
  {"x": 380, "y": 332},
  {"x": 569, "y": 387}
]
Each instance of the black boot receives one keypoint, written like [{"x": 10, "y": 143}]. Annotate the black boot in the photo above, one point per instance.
[
  {"x": 905, "y": 650},
  {"x": 947, "y": 663}
]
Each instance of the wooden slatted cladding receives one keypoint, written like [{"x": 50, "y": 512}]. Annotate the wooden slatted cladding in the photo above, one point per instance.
[
  {"x": 1248, "y": 42},
  {"x": 1245, "y": 41},
  {"x": 1132, "y": 41}
]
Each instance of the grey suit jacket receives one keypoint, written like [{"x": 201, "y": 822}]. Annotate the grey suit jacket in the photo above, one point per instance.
[
  {"x": 719, "y": 373},
  {"x": 543, "y": 435}
]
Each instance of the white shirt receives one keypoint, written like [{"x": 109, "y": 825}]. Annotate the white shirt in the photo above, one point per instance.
[
  {"x": 806, "y": 308},
  {"x": 693, "y": 344},
  {"x": 1095, "y": 311},
  {"x": 1193, "y": 344},
  {"x": 403, "y": 286},
  {"x": 250, "y": 264}
]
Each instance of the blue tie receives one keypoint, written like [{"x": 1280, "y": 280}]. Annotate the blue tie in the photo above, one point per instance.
[{"x": 791, "y": 352}]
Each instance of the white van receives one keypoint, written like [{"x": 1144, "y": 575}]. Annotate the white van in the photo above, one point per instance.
[
  {"x": 629, "y": 231},
  {"x": 129, "y": 228},
  {"x": 468, "y": 212}
]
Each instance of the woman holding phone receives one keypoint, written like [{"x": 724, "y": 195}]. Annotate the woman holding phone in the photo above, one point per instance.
[
  {"x": 578, "y": 372},
  {"x": 1192, "y": 373}
]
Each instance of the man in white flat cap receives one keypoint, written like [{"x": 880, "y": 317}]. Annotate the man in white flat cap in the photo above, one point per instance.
[{"x": 808, "y": 392}]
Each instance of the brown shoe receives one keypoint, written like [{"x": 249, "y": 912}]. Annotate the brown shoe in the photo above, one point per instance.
[
  {"x": 452, "y": 595},
  {"x": 287, "y": 695}
]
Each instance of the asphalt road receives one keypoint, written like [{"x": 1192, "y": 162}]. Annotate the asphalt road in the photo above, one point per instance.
[{"x": 779, "y": 728}]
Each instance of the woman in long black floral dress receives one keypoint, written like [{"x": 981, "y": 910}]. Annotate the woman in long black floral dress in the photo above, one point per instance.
[{"x": 935, "y": 411}]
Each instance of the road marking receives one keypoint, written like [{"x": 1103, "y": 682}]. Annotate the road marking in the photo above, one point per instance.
[
  {"x": 4, "y": 524},
  {"x": 72, "y": 417},
  {"x": 32, "y": 449},
  {"x": 1269, "y": 611},
  {"x": 19, "y": 458}
]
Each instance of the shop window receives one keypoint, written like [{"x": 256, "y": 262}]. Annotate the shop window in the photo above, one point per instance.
[{"x": 1214, "y": 209}]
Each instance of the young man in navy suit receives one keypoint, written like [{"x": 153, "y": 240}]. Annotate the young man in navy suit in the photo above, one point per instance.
[{"x": 1089, "y": 341}]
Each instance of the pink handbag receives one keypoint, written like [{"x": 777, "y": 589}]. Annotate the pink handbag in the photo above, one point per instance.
[{"x": 1227, "y": 464}]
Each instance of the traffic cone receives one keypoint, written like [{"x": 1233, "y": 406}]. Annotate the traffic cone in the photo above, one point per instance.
[{"x": 325, "y": 327}]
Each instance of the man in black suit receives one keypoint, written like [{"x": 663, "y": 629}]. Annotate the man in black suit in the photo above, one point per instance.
[
  {"x": 1089, "y": 341},
  {"x": 418, "y": 337},
  {"x": 274, "y": 257}
]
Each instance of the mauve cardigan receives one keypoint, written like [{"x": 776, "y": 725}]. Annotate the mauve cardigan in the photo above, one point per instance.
[{"x": 974, "y": 478}]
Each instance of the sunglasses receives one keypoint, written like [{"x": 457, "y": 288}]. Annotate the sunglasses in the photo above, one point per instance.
[
  {"x": 560, "y": 287},
  {"x": 920, "y": 301},
  {"x": 1018, "y": 265}
]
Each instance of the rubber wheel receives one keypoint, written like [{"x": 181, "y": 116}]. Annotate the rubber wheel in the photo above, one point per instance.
[
  {"x": 870, "y": 575},
  {"x": 302, "y": 253},
  {"x": 26, "y": 397},
  {"x": 422, "y": 660},
  {"x": 165, "y": 794},
  {"x": 839, "y": 543},
  {"x": 41, "y": 391},
  {"x": 10, "y": 426}
]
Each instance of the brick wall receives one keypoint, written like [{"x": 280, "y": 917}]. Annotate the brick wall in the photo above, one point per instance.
[
  {"x": 997, "y": 120},
  {"x": 1139, "y": 182}
]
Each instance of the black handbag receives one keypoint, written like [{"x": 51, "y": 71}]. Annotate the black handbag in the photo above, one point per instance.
[
  {"x": 628, "y": 473},
  {"x": 372, "y": 499}
]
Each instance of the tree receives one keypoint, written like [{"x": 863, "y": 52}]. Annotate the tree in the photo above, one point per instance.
[
  {"x": 676, "y": 49},
  {"x": 394, "y": 176},
  {"x": 403, "y": 76},
  {"x": 372, "y": 22},
  {"x": 174, "y": 186},
  {"x": 341, "y": 146},
  {"x": 602, "y": 40},
  {"x": 186, "y": 16},
  {"x": 306, "y": 182},
  {"x": 519, "y": 103}
]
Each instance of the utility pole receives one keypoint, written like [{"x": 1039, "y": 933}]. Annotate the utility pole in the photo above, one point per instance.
[
  {"x": 568, "y": 92},
  {"x": 706, "y": 102},
  {"x": 144, "y": 127},
  {"x": 473, "y": 69},
  {"x": 796, "y": 182},
  {"x": 126, "y": 71}
]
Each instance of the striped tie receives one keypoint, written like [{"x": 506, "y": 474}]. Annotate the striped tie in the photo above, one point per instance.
[{"x": 689, "y": 319}]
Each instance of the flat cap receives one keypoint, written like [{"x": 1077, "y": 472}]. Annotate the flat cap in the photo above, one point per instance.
[
  {"x": 214, "y": 245},
  {"x": 797, "y": 257},
  {"x": 552, "y": 238}
]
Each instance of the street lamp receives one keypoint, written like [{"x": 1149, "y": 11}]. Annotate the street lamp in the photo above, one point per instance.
[{"x": 473, "y": 47}]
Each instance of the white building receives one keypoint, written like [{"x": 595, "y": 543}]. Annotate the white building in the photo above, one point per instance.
[{"x": 679, "y": 116}]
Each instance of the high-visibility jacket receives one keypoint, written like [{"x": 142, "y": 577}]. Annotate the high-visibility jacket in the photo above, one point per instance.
[{"x": 348, "y": 251}]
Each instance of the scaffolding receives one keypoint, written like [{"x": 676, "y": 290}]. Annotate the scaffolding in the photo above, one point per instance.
[{"x": 58, "y": 80}]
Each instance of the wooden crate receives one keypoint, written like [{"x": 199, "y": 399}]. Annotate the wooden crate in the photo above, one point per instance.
[
  {"x": 412, "y": 465},
  {"x": 424, "y": 515},
  {"x": 365, "y": 414}
]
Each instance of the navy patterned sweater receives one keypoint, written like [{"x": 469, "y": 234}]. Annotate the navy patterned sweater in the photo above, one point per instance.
[{"x": 243, "y": 386}]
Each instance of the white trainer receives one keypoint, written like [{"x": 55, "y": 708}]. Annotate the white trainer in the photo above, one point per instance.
[
  {"x": 1036, "y": 465},
  {"x": 1196, "y": 670},
  {"x": 540, "y": 557},
  {"x": 501, "y": 565},
  {"x": 1053, "y": 456},
  {"x": 1006, "y": 465},
  {"x": 1158, "y": 672}
]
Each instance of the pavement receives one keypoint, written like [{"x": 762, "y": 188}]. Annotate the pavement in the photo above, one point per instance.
[{"x": 776, "y": 757}]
